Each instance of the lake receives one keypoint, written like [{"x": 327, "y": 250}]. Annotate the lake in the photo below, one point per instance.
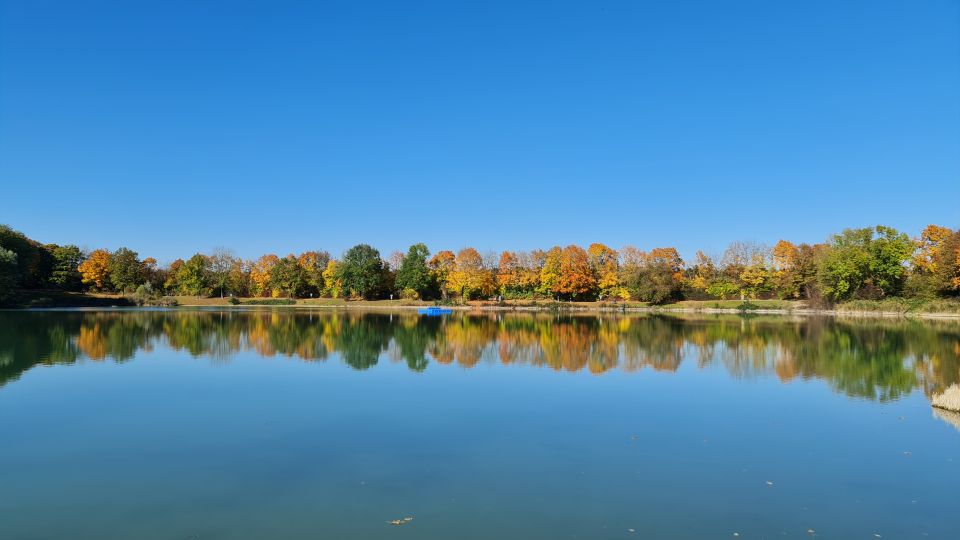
[{"x": 216, "y": 424}]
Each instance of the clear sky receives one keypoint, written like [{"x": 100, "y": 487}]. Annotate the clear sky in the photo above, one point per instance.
[{"x": 177, "y": 126}]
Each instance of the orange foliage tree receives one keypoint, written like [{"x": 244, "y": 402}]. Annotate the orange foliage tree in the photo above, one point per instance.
[
  {"x": 440, "y": 266},
  {"x": 260, "y": 274},
  {"x": 576, "y": 279},
  {"x": 604, "y": 263},
  {"x": 96, "y": 269}
]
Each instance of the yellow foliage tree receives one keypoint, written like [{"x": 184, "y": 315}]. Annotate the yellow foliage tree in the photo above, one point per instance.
[
  {"x": 785, "y": 255},
  {"x": 550, "y": 271},
  {"x": 755, "y": 277},
  {"x": 332, "y": 284},
  {"x": 704, "y": 272},
  {"x": 440, "y": 266},
  {"x": 469, "y": 277},
  {"x": 928, "y": 248},
  {"x": 260, "y": 274},
  {"x": 604, "y": 263},
  {"x": 96, "y": 269}
]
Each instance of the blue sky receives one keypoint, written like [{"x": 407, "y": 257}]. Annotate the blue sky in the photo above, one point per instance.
[{"x": 178, "y": 126}]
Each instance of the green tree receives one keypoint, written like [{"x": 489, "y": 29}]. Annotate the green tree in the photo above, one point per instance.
[
  {"x": 889, "y": 251},
  {"x": 288, "y": 277},
  {"x": 33, "y": 262},
  {"x": 864, "y": 262},
  {"x": 8, "y": 273},
  {"x": 65, "y": 275},
  {"x": 361, "y": 271},
  {"x": 413, "y": 273},
  {"x": 193, "y": 276},
  {"x": 126, "y": 270}
]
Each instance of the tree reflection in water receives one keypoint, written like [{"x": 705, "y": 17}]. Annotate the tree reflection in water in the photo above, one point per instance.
[{"x": 874, "y": 359}]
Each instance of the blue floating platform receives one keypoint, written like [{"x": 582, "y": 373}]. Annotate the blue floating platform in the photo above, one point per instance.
[{"x": 434, "y": 311}]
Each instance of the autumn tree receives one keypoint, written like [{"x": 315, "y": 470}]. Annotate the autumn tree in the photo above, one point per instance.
[
  {"x": 152, "y": 274},
  {"x": 260, "y": 274},
  {"x": 362, "y": 271},
  {"x": 550, "y": 271},
  {"x": 95, "y": 270},
  {"x": 313, "y": 264},
  {"x": 469, "y": 276},
  {"x": 441, "y": 265},
  {"x": 605, "y": 266},
  {"x": 946, "y": 266},
  {"x": 928, "y": 248},
  {"x": 332, "y": 280},
  {"x": 170, "y": 284},
  {"x": 576, "y": 279},
  {"x": 702, "y": 273},
  {"x": 657, "y": 277},
  {"x": 518, "y": 273},
  {"x": 506, "y": 269},
  {"x": 238, "y": 278},
  {"x": 755, "y": 277},
  {"x": 794, "y": 270}
]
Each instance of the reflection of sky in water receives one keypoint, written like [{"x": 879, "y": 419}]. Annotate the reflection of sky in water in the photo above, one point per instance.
[{"x": 210, "y": 426}]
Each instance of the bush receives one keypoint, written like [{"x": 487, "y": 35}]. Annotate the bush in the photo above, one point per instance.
[
  {"x": 409, "y": 294},
  {"x": 270, "y": 302},
  {"x": 144, "y": 295},
  {"x": 920, "y": 286}
]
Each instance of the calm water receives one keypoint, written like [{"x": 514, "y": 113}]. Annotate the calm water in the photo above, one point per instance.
[{"x": 271, "y": 424}]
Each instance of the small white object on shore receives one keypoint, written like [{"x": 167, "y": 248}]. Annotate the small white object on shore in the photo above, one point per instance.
[{"x": 949, "y": 399}]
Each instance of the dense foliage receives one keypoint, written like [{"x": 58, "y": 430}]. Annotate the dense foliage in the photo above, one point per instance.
[{"x": 867, "y": 263}]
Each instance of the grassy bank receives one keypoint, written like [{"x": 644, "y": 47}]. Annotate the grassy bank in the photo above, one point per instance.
[
  {"x": 903, "y": 306},
  {"x": 886, "y": 307}
]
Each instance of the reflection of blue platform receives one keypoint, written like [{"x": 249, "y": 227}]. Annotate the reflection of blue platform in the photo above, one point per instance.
[{"x": 434, "y": 311}]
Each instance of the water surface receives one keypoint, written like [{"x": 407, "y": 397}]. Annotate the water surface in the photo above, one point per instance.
[{"x": 319, "y": 424}]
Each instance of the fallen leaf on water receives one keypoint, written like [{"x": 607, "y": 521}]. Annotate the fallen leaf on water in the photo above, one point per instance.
[
  {"x": 403, "y": 521},
  {"x": 769, "y": 483}
]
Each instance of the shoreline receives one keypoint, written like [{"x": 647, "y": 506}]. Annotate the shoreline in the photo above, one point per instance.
[
  {"x": 118, "y": 302},
  {"x": 587, "y": 310}
]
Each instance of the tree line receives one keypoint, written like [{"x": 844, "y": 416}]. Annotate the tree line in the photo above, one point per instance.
[{"x": 861, "y": 263}]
